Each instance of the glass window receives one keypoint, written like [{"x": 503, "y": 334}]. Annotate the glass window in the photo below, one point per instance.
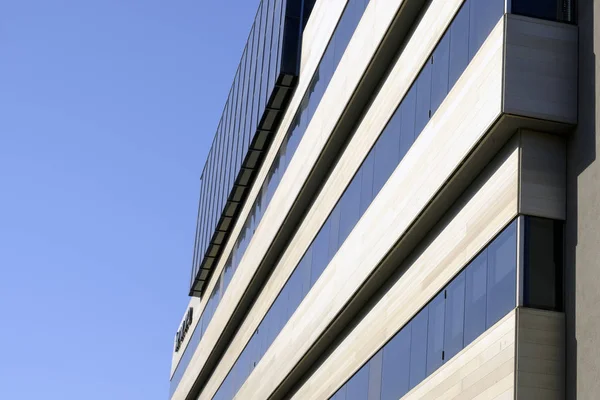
[
  {"x": 502, "y": 267},
  {"x": 366, "y": 190},
  {"x": 387, "y": 153},
  {"x": 544, "y": 9},
  {"x": 255, "y": 82},
  {"x": 274, "y": 64},
  {"x": 407, "y": 129},
  {"x": 284, "y": 156},
  {"x": 358, "y": 385},
  {"x": 341, "y": 394},
  {"x": 475, "y": 297},
  {"x": 543, "y": 264},
  {"x": 423, "y": 111},
  {"x": 268, "y": 21},
  {"x": 349, "y": 208},
  {"x": 248, "y": 92},
  {"x": 418, "y": 348},
  {"x": 259, "y": 96},
  {"x": 343, "y": 32},
  {"x": 320, "y": 253},
  {"x": 272, "y": 179},
  {"x": 305, "y": 268},
  {"x": 435, "y": 333},
  {"x": 334, "y": 227},
  {"x": 396, "y": 362},
  {"x": 375, "y": 369},
  {"x": 296, "y": 295},
  {"x": 320, "y": 81},
  {"x": 484, "y": 16},
  {"x": 455, "y": 317},
  {"x": 459, "y": 44},
  {"x": 439, "y": 72}
]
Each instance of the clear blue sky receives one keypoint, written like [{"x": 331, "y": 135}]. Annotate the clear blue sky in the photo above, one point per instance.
[{"x": 107, "y": 111}]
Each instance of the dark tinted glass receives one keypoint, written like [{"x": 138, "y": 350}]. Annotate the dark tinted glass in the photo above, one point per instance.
[
  {"x": 543, "y": 269},
  {"x": 396, "y": 362},
  {"x": 455, "y": 317},
  {"x": 544, "y": 9}
]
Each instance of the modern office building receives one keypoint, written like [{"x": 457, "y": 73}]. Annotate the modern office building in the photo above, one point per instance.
[{"x": 401, "y": 201}]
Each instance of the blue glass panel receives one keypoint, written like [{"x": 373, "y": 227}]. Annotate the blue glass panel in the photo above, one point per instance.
[
  {"x": 418, "y": 348},
  {"x": 423, "y": 110},
  {"x": 387, "y": 153},
  {"x": 320, "y": 253},
  {"x": 484, "y": 16},
  {"x": 358, "y": 385},
  {"x": 258, "y": 96},
  {"x": 305, "y": 268},
  {"x": 439, "y": 72},
  {"x": 396, "y": 363},
  {"x": 334, "y": 228},
  {"x": 264, "y": 54},
  {"x": 341, "y": 393},
  {"x": 275, "y": 48},
  {"x": 435, "y": 333},
  {"x": 502, "y": 267},
  {"x": 475, "y": 297},
  {"x": 294, "y": 137},
  {"x": 344, "y": 30},
  {"x": 459, "y": 44},
  {"x": 350, "y": 207},
  {"x": 375, "y": 371},
  {"x": 366, "y": 189},
  {"x": 268, "y": 53},
  {"x": 455, "y": 317},
  {"x": 320, "y": 81},
  {"x": 408, "y": 112}
]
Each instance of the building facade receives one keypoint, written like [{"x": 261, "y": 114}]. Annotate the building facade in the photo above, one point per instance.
[{"x": 401, "y": 202}]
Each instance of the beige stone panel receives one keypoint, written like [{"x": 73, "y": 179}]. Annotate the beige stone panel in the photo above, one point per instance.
[
  {"x": 540, "y": 354},
  {"x": 541, "y": 69}
]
